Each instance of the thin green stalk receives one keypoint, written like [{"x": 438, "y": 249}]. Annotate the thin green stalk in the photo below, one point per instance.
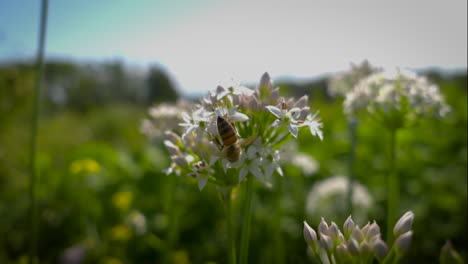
[
  {"x": 33, "y": 227},
  {"x": 244, "y": 246},
  {"x": 393, "y": 191},
  {"x": 230, "y": 231},
  {"x": 172, "y": 209},
  {"x": 278, "y": 241},
  {"x": 352, "y": 135}
]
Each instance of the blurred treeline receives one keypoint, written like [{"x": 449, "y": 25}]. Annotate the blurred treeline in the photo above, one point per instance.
[{"x": 98, "y": 173}]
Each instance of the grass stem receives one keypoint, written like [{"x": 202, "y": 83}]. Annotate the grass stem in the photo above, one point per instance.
[
  {"x": 33, "y": 225},
  {"x": 245, "y": 236}
]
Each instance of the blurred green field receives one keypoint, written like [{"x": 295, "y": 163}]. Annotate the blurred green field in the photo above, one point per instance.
[{"x": 102, "y": 192}]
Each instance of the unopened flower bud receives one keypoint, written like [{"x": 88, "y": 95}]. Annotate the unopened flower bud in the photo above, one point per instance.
[
  {"x": 365, "y": 229},
  {"x": 403, "y": 242},
  {"x": 333, "y": 230},
  {"x": 173, "y": 137},
  {"x": 253, "y": 104},
  {"x": 374, "y": 231},
  {"x": 342, "y": 250},
  {"x": 349, "y": 226},
  {"x": 404, "y": 224},
  {"x": 171, "y": 148},
  {"x": 179, "y": 160},
  {"x": 309, "y": 234},
  {"x": 274, "y": 96},
  {"x": 353, "y": 246},
  {"x": 326, "y": 242},
  {"x": 357, "y": 234},
  {"x": 323, "y": 227},
  {"x": 448, "y": 255},
  {"x": 341, "y": 238},
  {"x": 265, "y": 82},
  {"x": 380, "y": 248},
  {"x": 365, "y": 248}
]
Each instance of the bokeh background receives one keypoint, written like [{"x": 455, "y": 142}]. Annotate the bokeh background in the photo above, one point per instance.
[{"x": 102, "y": 196}]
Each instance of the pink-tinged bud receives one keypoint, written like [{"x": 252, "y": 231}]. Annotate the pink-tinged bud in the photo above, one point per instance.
[
  {"x": 374, "y": 231},
  {"x": 365, "y": 229},
  {"x": 342, "y": 250},
  {"x": 403, "y": 242},
  {"x": 171, "y": 148},
  {"x": 265, "y": 82},
  {"x": 274, "y": 96},
  {"x": 302, "y": 102},
  {"x": 357, "y": 234},
  {"x": 333, "y": 230},
  {"x": 448, "y": 255},
  {"x": 179, "y": 160},
  {"x": 253, "y": 104},
  {"x": 404, "y": 224},
  {"x": 365, "y": 248},
  {"x": 326, "y": 242},
  {"x": 173, "y": 137},
  {"x": 341, "y": 238},
  {"x": 309, "y": 234},
  {"x": 323, "y": 227},
  {"x": 380, "y": 249},
  {"x": 353, "y": 246},
  {"x": 349, "y": 226}
]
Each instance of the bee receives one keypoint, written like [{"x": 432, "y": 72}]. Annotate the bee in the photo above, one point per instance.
[{"x": 231, "y": 147}]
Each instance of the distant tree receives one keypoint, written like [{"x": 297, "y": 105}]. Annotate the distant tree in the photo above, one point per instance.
[{"x": 160, "y": 87}]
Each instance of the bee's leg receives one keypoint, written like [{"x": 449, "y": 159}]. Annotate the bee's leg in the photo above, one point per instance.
[{"x": 216, "y": 141}]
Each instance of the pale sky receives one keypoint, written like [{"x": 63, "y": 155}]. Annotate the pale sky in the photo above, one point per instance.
[{"x": 206, "y": 43}]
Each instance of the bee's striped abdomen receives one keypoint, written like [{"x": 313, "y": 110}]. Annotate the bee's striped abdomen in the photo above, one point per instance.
[{"x": 226, "y": 131}]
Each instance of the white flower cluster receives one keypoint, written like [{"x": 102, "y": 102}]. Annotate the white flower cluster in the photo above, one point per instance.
[
  {"x": 326, "y": 198},
  {"x": 358, "y": 245},
  {"x": 396, "y": 93},
  {"x": 163, "y": 117},
  {"x": 236, "y": 131},
  {"x": 340, "y": 84}
]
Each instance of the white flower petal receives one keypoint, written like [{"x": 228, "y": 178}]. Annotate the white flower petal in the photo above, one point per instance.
[
  {"x": 293, "y": 129},
  {"x": 186, "y": 117},
  {"x": 242, "y": 174},
  {"x": 257, "y": 172},
  {"x": 275, "y": 111},
  {"x": 268, "y": 170},
  {"x": 239, "y": 117},
  {"x": 295, "y": 112},
  {"x": 202, "y": 180},
  {"x": 279, "y": 170},
  {"x": 277, "y": 123}
]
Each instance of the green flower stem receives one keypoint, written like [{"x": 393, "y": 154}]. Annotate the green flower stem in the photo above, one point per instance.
[
  {"x": 244, "y": 246},
  {"x": 393, "y": 191},
  {"x": 172, "y": 210},
  {"x": 352, "y": 135},
  {"x": 278, "y": 241},
  {"x": 34, "y": 124},
  {"x": 230, "y": 231}
]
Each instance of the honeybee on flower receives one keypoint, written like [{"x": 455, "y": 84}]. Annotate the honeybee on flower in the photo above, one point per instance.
[{"x": 237, "y": 131}]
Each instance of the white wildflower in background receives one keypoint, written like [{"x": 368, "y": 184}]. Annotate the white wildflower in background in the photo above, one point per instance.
[
  {"x": 254, "y": 124},
  {"x": 396, "y": 96},
  {"x": 326, "y": 198},
  {"x": 355, "y": 244},
  {"x": 306, "y": 163},
  {"x": 163, "y": 117},
  {"x": 341, "y": 83}
]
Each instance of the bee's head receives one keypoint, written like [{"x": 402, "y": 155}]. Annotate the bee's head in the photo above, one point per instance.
[{"x": 220, "y": 119}]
